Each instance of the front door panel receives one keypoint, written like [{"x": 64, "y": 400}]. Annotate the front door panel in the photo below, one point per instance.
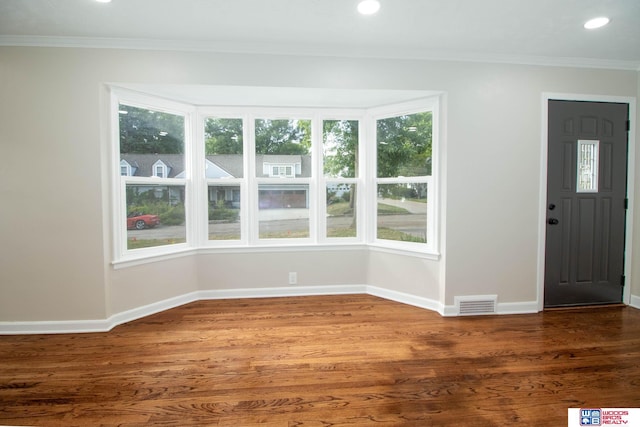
[{"x": 586, "y": 191}]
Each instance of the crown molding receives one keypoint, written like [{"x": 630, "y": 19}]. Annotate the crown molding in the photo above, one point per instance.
[{"x": 293, "y": 49}]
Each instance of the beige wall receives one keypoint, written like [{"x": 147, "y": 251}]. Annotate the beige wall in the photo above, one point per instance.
[
  {"x": 271, "y": 269},
  {"x": 54, "y": 212},
  {"x": 51, "y": 257},
  {"x": 406, "y": 274},
  {"x": 141, "y": 285}
]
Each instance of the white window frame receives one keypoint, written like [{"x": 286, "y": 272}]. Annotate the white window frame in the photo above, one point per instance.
[
  {"x": 255, "y": 182},
  {"x": 119, "y": 183},
  {"x": 196, "y": 184},
  {"x": 431, "y": 104},
  {"x": 358, "y": 180},
  {"x": 202, "y": 185}
]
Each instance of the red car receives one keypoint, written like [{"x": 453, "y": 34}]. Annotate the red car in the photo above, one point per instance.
[{"x": 139, "y": 221}]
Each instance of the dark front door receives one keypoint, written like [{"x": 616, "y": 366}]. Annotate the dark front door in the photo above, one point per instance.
[{"x": 586, "y": 203}]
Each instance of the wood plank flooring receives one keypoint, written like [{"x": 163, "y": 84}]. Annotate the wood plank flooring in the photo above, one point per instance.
[{"x": 353, "y": 360}]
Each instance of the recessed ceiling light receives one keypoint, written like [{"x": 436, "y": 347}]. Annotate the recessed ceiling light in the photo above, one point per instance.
[
  {"x": 596, "y": 23},
  {"x": 103, "y": 1},
  {"x": 368, "y": 7}
]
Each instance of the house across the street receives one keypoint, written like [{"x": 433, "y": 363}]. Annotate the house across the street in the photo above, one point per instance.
[{"x": 272, "y": 196}]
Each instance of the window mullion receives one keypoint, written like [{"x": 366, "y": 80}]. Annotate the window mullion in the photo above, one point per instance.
[
  {"x": 368, "y": 152},
  {"x": 317, "y": 209},
  {"x": 250, "y": 223},
  {"x": 197, "y": 211}
]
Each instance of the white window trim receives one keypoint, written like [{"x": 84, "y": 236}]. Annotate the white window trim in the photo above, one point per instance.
[
  {"x": 431, "y": 104},
  {"x": 119, "y": 183},
  {"x": 196, "y": 212}
]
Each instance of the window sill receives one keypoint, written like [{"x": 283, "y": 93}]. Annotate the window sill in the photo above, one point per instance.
[
  {"x": 434, "y": 256},
  {"x": 139, "y": 259},
  {"x": 179, "y": 253}
]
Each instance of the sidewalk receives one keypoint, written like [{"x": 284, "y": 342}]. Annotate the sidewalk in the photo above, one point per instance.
[
  {"x": 411, "y": 206},
  {"x": 280, "y": 214}
]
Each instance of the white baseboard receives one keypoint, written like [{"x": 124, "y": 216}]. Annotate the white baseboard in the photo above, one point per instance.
[
  {"x": 285, "y": 291},
  {"x": 54, "y": 327},
  {"x": 102, "y": 325},
  {"x": 404, "y": 298},
  {"x": 105, "y": 325},
  {"x": 156, "y": 307},
  {"x": 526, "y": 307},
  {"x": 635, "y": 301}
]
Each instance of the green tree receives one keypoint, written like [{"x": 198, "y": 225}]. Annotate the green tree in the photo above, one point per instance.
[
  {"x": 283, "y": 136},
  {"x": 404, "y": 145},
  {"x": 223, "y": 136},
  {"x": 147, "y": 131},
  {"x": 340, "y": 148}
]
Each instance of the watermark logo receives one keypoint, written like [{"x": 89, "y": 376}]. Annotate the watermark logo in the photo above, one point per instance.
[
  {"x": 579, "y": 417},
  {"x": 590, "y": 417}
]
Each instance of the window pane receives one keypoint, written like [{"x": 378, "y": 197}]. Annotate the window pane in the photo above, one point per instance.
[
  {"x": 223, "y": 148},
  {"x": 224, "y": 212},
  {"x": 147, "y": 137},
  {"x": 155, "y": 215},
  {"x": 283, "y": 211},
  {"x": 340, "y": 148},
  {"x": 402, "y": 212},
  {"x": 341, "y": 210},
  {"x": 404, "y": 145},
  {"x": 283, "y": 148},
  {"x": 160, "y": 171},
  {"x": 588, "y": 152}
]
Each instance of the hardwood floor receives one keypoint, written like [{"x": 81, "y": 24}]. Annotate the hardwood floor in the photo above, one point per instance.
[{"x": 352, "y": 360}]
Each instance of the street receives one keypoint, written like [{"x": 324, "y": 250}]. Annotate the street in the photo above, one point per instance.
[{"x": 296, "y": 220}]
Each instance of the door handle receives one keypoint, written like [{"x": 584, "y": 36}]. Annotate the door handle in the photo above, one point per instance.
[{"x": 553, "y": 221}]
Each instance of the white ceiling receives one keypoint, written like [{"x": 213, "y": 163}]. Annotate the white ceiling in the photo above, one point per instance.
[{"x": 545, "y": 32}]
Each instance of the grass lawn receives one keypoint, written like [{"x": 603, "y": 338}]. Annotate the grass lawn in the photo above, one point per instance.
[
  {"x": 390, "y": 210},
  {"x": 335, "y": 209},
  {"x": 297, "y": 234},
  {"x": 342, "y": 209},
  {"x": 389, "y": 234},
  {"x": 149, "y": 243}
]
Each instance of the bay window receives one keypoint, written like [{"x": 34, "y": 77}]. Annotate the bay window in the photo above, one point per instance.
[{"x": 190, "y": 177}]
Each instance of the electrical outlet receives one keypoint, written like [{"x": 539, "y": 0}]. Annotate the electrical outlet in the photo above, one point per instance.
[{"x": 293, "y": 277}]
